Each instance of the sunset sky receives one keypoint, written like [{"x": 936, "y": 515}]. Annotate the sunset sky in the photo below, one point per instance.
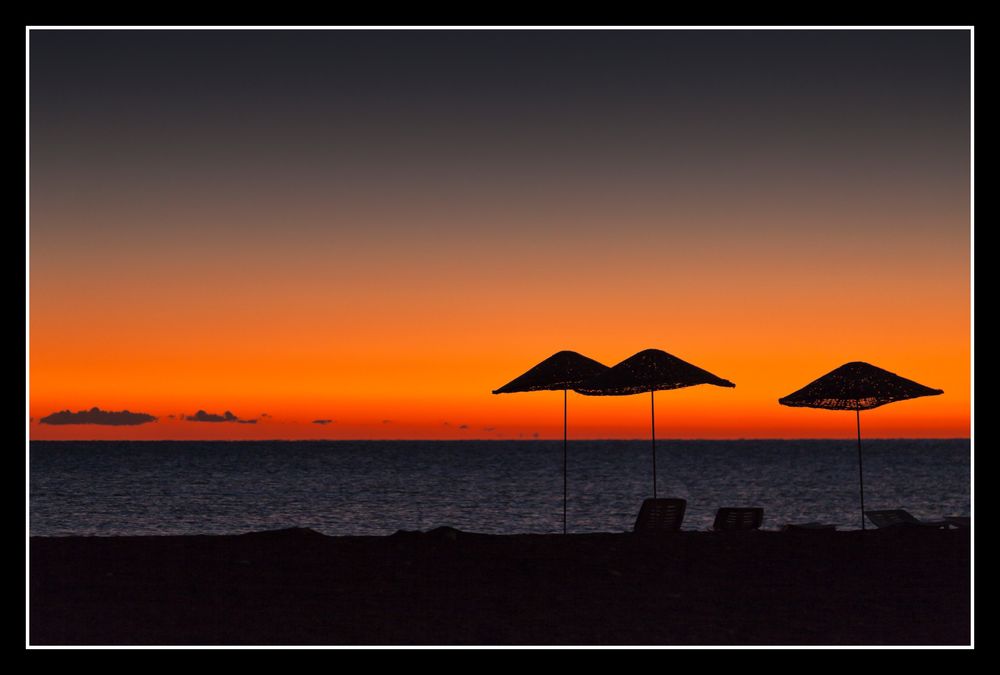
[{"x": 377, "y": 228}]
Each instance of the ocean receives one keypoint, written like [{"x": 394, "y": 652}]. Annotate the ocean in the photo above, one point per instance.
[{"x": 498, "y": 487}]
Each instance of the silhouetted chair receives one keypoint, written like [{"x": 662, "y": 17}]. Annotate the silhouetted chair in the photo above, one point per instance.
[
  {"x": 660, "y": 515},
  {"x": 727, "y": 519},
  {"x": 900, "y": 518}
]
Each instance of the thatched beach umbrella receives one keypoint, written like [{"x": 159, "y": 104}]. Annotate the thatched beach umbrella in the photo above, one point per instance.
[
  {"x": 649, "y": 370},
  {"x": 563, "y": 370},
  {"x": 857, "y": 386}
]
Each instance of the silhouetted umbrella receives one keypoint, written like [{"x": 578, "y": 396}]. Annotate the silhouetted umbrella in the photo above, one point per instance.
[
  {"x": 857, "y": 386},
  {"x": 563, "y": 370},
  {"x": 649, "y": 370}
]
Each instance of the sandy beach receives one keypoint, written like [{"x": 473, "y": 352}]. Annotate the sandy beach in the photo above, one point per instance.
[{"x": 445, "y": 587}]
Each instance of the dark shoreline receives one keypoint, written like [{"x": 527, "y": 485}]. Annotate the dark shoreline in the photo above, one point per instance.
[{"x": 445, "y": 587}]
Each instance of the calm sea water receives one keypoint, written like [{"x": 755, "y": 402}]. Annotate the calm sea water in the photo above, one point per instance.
[{"x": 379, "y": 487}]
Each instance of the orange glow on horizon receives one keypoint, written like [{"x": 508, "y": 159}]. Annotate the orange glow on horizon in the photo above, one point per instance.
[{"x": 422, "y": 400}]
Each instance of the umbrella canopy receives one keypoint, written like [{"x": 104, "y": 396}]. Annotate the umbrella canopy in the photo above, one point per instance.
[
  {"x": 563, "y": 370},
  {"x": 857, "y": 386},
  {"x": 649, "y": 370}
]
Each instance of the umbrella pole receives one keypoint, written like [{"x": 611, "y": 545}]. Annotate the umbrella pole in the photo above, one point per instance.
[
  {"x": 861, "y": 475},
  {"x": 565, "y": 491},
  {"x": 652, "y": 421}
]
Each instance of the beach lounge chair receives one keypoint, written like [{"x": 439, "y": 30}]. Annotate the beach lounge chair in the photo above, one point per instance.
[
  {"x": 728, "y": 519},
  {"x": 660, "y": 515},
  {"x": 900, "y": 518}
]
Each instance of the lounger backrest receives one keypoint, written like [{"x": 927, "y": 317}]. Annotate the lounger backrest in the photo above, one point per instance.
[
  {"x": 738, "y": 519},
  {"x": 891, "y": 518},
  {"x": 660, "y": 515}
]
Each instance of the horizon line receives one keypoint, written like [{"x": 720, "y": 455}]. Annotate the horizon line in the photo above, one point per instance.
[{"x": 465, "y": 440}]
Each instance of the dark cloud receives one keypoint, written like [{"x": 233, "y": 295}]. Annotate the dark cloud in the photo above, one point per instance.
[
  {"x": 95, "y": 415},
  {"x": 265, "y": 416},
  {"x": 386, "y": 421},
  {"x": 170, "y": 417},
  {"x": 463, "y": 426},
  {"x": 323, "y": 421},
  {"x": 489, "y": 428},
  {"x": 202, "y": 416},
  {"x": 534, "y": 435}
]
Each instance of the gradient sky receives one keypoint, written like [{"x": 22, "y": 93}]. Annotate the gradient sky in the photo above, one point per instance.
[{"x": 380, "y": 227}]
